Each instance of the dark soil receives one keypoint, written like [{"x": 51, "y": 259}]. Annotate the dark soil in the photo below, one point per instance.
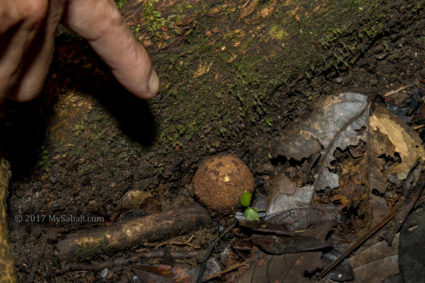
[{"x": 85, "y": 142}]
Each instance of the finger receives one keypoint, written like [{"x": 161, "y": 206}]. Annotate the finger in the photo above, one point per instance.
[
  {"x": 20, "y": 21},
  {"x": 100, "y": 22},
  {"x": 37, "y": 64}
]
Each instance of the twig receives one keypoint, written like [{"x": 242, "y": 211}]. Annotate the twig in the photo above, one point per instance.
[
  {"x": 230, "y": 268},
  {"x": 362, "y": 239},
  {"x": 399, "y": 89},
  {"x": 173, "y": 242},
  {"x": 73, "y": 266},
  {"x": 418, "y": 127},
  {"x": 405, "y": 210},
  {"x": 209, "y": 251}
]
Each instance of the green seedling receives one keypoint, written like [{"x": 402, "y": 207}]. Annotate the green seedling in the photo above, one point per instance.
[{"x": 250, "y": 213}]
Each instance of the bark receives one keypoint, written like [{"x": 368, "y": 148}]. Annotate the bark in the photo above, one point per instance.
[
  {"x": 134, "y": 232},
  {"x": 7, "y": 263}
]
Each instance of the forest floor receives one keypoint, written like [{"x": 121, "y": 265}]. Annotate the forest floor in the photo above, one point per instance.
[{"x": 233, "y": 75}]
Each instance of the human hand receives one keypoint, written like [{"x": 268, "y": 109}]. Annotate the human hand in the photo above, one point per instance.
[{"x": 27, "y": 35}]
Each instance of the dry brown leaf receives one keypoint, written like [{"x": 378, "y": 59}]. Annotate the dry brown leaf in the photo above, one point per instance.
[
  {"x": 248, "y": 8},
  {"x": 378, "y": 261},
  {"x": 286, "y": 268},
  {"x": 283, "y": 268},
  {"x": 389, "y": 136},
  {"x": 203, "y": 69}
]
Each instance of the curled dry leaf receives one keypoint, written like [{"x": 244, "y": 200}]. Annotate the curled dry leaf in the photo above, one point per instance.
[
  {"x": 342, "y": 123},
  {"x": 335, "y": 124},
  {"x": 391, "y": 140}
]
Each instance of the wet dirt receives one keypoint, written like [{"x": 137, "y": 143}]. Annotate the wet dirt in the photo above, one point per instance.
[{"x": 231, "y": 79}]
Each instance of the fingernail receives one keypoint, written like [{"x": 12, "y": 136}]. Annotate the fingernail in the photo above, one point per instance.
[{"x": 153, "y": 83}]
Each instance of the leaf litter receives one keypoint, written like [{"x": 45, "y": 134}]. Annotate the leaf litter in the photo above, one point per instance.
[
  {"x": 340, "y": 176},
  {"x": 363, "y": 163}
]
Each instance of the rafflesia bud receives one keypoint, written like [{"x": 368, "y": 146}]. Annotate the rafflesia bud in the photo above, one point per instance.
[{"x": 220, "y": 180}]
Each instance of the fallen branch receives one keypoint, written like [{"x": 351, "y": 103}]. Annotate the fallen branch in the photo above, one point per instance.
[
  {"x": 133, "y": 232},
  {"x": 399, "y": 89},
  {"x": 95, "y": 267},
  {"x": 227, "y": 270},
  {"x": 7, "y": 264}
]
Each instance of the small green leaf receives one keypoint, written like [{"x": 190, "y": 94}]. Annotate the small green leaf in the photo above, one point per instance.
[
  {"x": 251, "y": 214},
  {"x": 246, "y": 199}
]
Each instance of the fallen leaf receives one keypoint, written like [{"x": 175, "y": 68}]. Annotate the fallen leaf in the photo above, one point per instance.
[
  {"x": 285, "y": 195},
  {"x": 412, "y": 247},
  {"x": 376, "y": 262},
  {"x": 288, "y": 267},
  {"x": 284, "y": 245},
  {"x": 248, "y": 8},
  {"x": 161, "y": 273},
  {"x": 203, "y": 69},
  {"x": 392, "y": 138},
  {"x": 283, "y": 268},
  {"x": 299, "y": 219},
  {"x": 336, "y": 123},
  {"x": 340, "y": 273}
]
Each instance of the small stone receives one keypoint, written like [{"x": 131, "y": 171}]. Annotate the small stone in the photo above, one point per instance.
[
  {"x": 339, "y": 80},
  {"x": 104, "y": 273},
  {"x": 133, "y": 199}
]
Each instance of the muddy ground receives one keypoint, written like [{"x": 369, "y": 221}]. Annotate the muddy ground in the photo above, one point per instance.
[{"x": 233, "y": 74}]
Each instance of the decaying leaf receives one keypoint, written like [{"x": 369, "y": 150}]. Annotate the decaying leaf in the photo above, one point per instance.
[
  {"x": 393, "y": 147},
  {"x": 412, "y": 248},
  {"x": 342, "y": 272},
  {"x": 248, "y": 8},
  {"x": 393, "y": 141},
  {"x": 161, "y": 273},
  {"x": 336, "y": 124},
  {"x": 341, "y": 124},
  {"x": 284, "y": 245},
  {"x": 203, "y": 69},
  {"x": 285, "y": 195},
  {"x": 300, "y": 219},
  {"x": 288, "y": 267},
  {"x": 283, "y": 268},
  {"x": 376, "y": 262}
]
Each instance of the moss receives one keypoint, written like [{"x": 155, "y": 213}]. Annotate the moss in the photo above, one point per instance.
[
  {"x": 153, "y": 19},
  {"x": 120, "y": 3},
  {"x": 44, "y": 162}
]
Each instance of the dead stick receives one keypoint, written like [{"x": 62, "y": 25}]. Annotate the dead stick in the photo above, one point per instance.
[
  {"x": 7, "y": 263},
  {"x": 74, "y": 266},
  {"x": 208, "y": 253},
  {"x": 399, "y": 89},
  {"x": 362, "y": 239},
  {"x": 133, "y": 232},
  {"x": 231, "y": 268}
]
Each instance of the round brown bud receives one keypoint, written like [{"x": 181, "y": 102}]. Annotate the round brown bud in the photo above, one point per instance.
[{"x": 220, "y": 180}]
